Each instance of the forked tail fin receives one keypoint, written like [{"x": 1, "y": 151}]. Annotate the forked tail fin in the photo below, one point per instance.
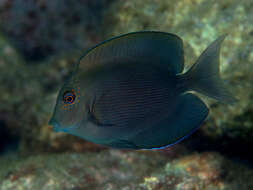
[{"x": 204, "y": 76}]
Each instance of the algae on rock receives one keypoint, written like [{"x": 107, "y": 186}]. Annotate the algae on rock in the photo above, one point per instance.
[{"x": 115, "y": 170}]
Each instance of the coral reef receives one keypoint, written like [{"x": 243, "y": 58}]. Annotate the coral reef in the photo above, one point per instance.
[
  {"x": 124, "y": 170},
  {"x": 44, "y": 27}
]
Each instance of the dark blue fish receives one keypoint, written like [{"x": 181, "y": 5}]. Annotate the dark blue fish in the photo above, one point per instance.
[{"x": 130, "y": 92}]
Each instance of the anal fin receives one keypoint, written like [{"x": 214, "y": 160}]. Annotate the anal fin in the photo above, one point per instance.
[{"x": 188, "y": 117}]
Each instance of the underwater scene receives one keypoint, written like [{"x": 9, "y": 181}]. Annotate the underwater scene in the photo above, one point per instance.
[{"x": 126, "y": 95}]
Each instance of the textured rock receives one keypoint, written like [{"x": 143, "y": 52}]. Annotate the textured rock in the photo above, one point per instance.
[
  {"x": 42, "y": 28},
  {"x": 124, "y": 170},
  {"x": 200, "y": 171},
  {"x": 198, "y": 23}
]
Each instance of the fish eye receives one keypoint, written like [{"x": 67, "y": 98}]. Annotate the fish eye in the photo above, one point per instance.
[{"x": 69, "y": 97}]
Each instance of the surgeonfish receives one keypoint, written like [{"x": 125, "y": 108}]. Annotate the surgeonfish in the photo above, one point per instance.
[{"x": 131, "y": 92}]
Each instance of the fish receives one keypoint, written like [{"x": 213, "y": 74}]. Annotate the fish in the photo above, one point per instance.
[{"x": 131, "y": 92}]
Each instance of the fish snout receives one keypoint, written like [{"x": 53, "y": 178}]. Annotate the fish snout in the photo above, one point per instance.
[{"x": 55, "y": 124}]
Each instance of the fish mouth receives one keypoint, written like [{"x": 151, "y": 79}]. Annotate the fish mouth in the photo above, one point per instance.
[
  {"x": 57, "y": 127},
  {"x": 55, "y": 124}
]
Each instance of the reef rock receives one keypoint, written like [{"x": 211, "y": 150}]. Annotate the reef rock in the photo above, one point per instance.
[{"x": 114, "y": 170}]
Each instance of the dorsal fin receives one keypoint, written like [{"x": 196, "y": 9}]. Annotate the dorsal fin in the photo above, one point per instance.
[{"x": 163, "y": 49}]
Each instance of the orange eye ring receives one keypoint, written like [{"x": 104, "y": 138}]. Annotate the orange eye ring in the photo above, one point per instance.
[{"x": 69, "y": 97}]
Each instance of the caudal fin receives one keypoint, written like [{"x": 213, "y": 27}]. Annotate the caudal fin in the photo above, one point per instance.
[{"x": 204, "y": 76}]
